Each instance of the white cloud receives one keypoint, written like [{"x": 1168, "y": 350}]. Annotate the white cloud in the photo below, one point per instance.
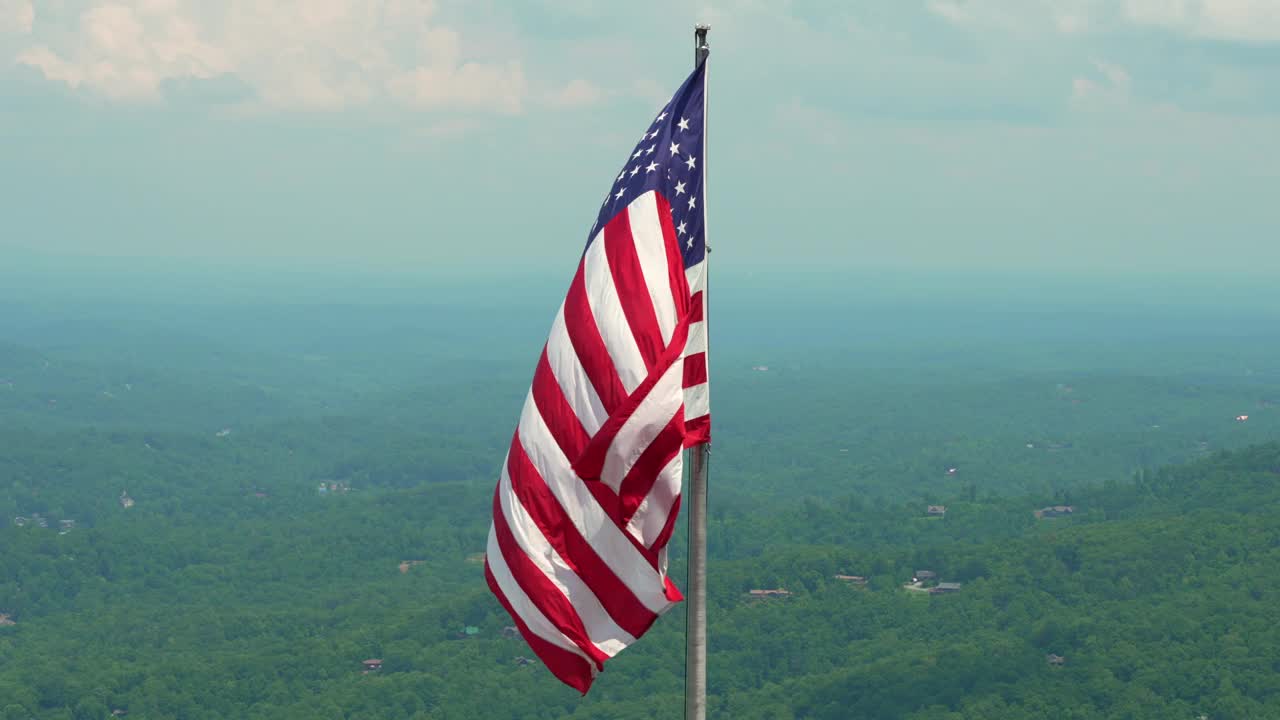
[
  {"x": 578, "y": 93},
  {"x": 447, "y": 81},
  {"x": 1111, "y": 89},
  {"x": 16, "y": 16},
  {"x": 1069, "y": 23},
  {"x": 1251, "y": 21},
  {"x": 308, "y": 54},
  {"x": 1012, "y": 16},
  {"x": 949, "y": 10}
]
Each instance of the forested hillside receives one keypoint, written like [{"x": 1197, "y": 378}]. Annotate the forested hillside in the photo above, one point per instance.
[{"x": 252, "y": 515}]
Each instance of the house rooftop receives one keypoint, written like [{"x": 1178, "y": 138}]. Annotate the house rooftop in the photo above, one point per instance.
[{"x": 779, "y": 592}]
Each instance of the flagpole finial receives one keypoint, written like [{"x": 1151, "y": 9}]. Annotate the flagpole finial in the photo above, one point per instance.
[{"x": 700, "y": 47}]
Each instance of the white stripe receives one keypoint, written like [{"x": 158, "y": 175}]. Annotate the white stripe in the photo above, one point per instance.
[
  {"x": 651, "y": 516},
  {"x": 580, "y": 506},
  {"x": 537, "y": 623},
  {"x": 696, "y": 276},
  {"x": 610, "y": 319},
  {"x": 601, "y": 629},
  {"x": 651, "y": 250},
  {"x": 637, "y": 433},
  {"x": 697, "y": 341},
  {"x": 697, "y": 401},
  {"x": 574, "y": 383}
]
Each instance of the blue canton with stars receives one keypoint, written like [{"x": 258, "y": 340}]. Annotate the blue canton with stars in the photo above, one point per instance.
[{"x": 669, "y": 159}]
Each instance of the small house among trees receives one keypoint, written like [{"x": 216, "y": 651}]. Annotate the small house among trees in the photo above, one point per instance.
[
  {"x": 852, "y": 579},
  {"x": 761, "y": 594},
  {"x": 333, "y": 487},
  {"x": 944, "y": 587},
  {"x": 1055, "y": 511},
  {"x": 5, "y": 620},
  {"x": 936, "y": 510},
  {"x": 372, "y": 665},
  {"x": 923, "y": 575},
  {"x": 1056, "y": 660}
]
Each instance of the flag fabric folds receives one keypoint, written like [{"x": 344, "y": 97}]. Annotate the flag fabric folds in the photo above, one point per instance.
[{"x": 589, "y": 492}]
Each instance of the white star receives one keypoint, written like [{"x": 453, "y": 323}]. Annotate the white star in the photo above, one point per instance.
[
  {"x": 638, "y": 154},
  {"x": 653, "y": 134},
  {"x": 680, "y": 228},
  {"x": 661, "y": 117},
  {"x": 690, "y": 242},
  {"x": 693, "y": 202},
  {"x": 679, "y": 188},
  {"x": 691, "y": 162},
  {"x": 622, "y": 175},
  {"x": 635, "y": 171},
  {"x": 651, "y": 167},
  {"x": 683, "y": 124},
  {"x": 675, "y": 149},
  {"x": 620, "y": 193},
  {"x": 650, "y": 150}
]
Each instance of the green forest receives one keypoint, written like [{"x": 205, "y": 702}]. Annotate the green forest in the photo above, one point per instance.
[{"x": 223, "y": 511}]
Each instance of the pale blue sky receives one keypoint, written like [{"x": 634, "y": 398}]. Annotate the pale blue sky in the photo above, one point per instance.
[{"x": 1086, "y": 136}]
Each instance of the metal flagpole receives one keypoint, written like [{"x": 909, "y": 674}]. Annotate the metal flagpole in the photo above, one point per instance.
[{"x": 695, "y": 679}]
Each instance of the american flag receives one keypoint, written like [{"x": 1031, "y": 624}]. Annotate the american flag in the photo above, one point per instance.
[{"x": 590, "y": 489}]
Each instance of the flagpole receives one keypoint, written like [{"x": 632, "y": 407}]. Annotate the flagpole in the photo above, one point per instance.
[{"x": 695, "y": 681}]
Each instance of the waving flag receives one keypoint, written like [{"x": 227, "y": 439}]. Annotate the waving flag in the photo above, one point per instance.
[{"x": 590, "y": 489}]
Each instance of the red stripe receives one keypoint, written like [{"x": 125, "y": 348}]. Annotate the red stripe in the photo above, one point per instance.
[
  {"x": 673, "y": 592},
  {"x": 675, "y": 260},
  {"x": 570, "y": 669},
  {"x": 611, "y": 504},
  {"x": 695, "y": 308},
  {"x": 545, "y": 595},
  {"x": 695, "y": 369},
  {"x": 590, "y": 463},
  {"x": 697, "y": 431},
  {"x": 589, "y": 345},
  {"x": 640, "y": 479},
  {"x": 633, "y": 292},
  {"x": 664, "y": 537},
  {"x": 537, "y": 499},
  {"x": 556, "y": 411}
]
